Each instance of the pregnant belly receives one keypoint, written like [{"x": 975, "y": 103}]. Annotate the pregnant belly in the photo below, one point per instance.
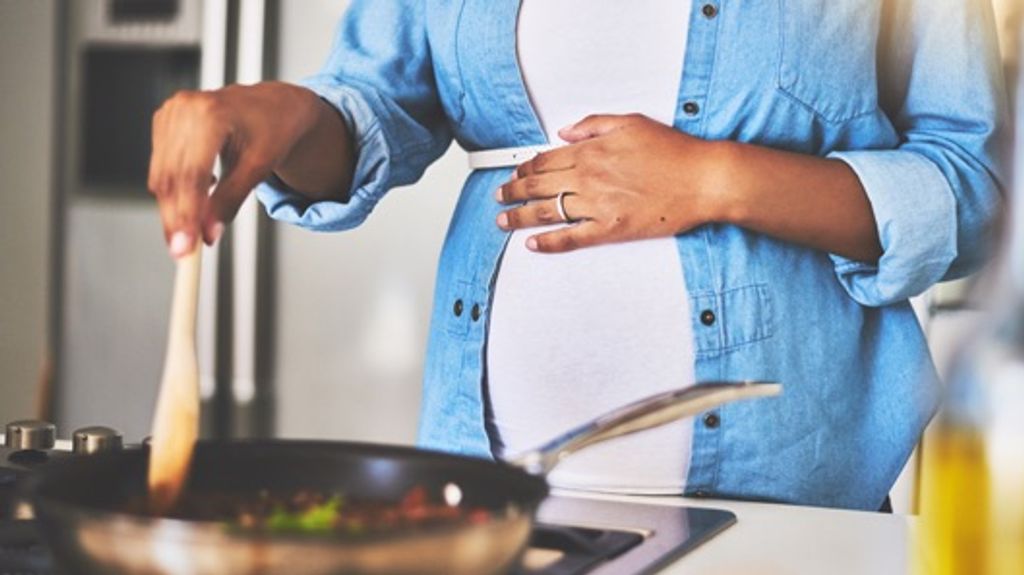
[{"x": 575, "y": 335}]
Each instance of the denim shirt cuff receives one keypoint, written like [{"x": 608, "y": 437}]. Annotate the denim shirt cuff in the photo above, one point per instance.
[
  {"x": 915, "y": 214},
  {"x": 371, "y": 176}
]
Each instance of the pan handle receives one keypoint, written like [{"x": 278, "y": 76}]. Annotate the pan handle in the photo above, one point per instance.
[{"x": 644, "y": 414}]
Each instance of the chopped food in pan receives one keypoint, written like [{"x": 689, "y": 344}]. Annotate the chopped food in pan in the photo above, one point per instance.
[{"x": 315, "y": 512}]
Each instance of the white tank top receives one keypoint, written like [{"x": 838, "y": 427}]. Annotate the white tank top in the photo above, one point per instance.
[{"x": 574, "y": 335}]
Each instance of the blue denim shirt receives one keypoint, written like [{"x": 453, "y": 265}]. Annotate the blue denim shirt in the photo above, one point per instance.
[{"x": 910, "y": 96}]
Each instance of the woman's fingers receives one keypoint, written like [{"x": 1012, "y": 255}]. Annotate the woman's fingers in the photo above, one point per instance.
[
  {"x": 227, "y": 197},
  {"x": 157, "y": 182},
  {"x": 581, "y": 235},
  {"x": 181, "y": 200},
  {"x": 545, "y": 162},
  {"x": 168, "y": 212},
  {"x": 542, "y": 213},
  {"x": 537, "y": 186},
  {"x": 188, "y": 134},
  {"x": 188, "y": 205},
  {"x": 597, "y": 125}
]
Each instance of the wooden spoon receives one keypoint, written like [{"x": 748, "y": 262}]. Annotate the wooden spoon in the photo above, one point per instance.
[{"x": 176, "y": 422}]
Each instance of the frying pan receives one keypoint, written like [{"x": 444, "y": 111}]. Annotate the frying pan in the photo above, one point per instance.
[{"x": 77, "y": 501}]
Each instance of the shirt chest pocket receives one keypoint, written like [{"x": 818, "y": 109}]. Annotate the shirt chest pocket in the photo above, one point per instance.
[{"x": 827, "y": 56}]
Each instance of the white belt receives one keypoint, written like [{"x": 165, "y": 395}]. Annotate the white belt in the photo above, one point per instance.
[{"x": 505, "y": 157}]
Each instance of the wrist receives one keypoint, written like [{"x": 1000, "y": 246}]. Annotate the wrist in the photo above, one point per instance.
[
  {"x": 726, "y": 187},
  {"x": 308, "y": 110},
  {"x": 319, "y": 137}
]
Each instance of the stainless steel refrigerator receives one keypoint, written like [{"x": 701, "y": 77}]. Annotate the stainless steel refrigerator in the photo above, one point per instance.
[{"x": 301, "y": 334}]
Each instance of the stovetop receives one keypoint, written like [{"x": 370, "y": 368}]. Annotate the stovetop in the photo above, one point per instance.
[
  {"x": 574, "y": 536},
  {"x": 666, "y": 532}
]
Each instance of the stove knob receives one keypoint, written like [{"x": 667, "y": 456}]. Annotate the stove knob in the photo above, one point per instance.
[
  {"x": 95, "y": 439},
  {"x": 30, "y": 434}
]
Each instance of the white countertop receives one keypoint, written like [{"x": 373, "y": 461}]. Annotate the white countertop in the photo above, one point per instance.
[{"x": 783, "y": 539}]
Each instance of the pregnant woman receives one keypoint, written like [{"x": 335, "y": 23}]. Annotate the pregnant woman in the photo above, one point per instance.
[{"x": 727, "y": 190}]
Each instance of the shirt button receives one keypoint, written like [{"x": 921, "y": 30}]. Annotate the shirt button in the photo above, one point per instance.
[
  {"x": 475, "y": 312},
  {"x": 709, "y": 11},
  {"x": 457, "y": 308},
  {"x": 691, "y": 108},
  {"x": 711, "y": 421},
  {"x": 707, "y": 317}
]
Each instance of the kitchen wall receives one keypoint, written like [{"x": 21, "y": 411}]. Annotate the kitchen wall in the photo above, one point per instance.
[
  {"x": 27, "y": 52},
  {"x": 352, "y": 310}
]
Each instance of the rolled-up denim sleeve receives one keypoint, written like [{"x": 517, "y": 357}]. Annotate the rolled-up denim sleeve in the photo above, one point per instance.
[
  {"x": 380, "y": 79},
  {"x": 936, "y": 196}
]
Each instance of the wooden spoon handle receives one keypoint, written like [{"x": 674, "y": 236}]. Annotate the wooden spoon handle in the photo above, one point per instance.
[{"x": 176, "y": 422}]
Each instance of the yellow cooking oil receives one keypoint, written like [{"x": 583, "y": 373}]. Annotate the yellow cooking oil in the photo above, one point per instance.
[
  {"x": 972, "y": 492},
  {"x": 955, "y": 505}
]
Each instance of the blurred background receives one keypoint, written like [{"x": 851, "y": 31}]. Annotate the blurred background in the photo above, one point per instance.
[{"x": 302, "y": 334}]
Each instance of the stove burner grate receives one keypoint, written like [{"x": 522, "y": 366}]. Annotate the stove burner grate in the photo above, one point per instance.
[{"x": 21, "y": 551}]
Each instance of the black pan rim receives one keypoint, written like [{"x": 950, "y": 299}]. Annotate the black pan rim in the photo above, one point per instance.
[{"x": 55, "y": 507}]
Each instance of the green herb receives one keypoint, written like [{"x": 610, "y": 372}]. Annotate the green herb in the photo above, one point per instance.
[{"x": 317, "y": 519}]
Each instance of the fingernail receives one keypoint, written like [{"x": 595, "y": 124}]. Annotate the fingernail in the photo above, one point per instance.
[
  {"x": 531, "y": 243},
  {"x": 498, "y": 195},
  {"x": 502, "y": 220},
  {"x": 180, "y": 244},
  {"x": 216, "y": 230}
]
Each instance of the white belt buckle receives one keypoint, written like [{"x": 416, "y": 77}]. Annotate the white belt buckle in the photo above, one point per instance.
[{"x": 505, "y": 157}]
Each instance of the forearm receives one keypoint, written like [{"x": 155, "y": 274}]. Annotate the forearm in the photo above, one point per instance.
[
  {"x": 811, "y": 201},
  {"x": 320, "y": 165}
]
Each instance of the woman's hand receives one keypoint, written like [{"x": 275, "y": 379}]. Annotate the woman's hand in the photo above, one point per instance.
[
  {"x": 625, "y": 177},
  {"x": 630, "y": 178},
  {"x": 255, "y": 130}
]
